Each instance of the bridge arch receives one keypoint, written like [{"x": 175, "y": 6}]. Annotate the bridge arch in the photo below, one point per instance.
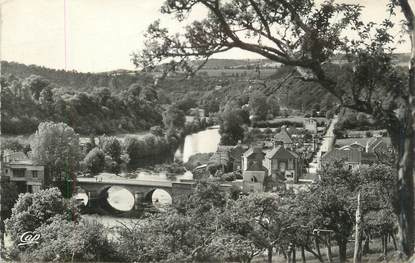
[
  {"x": 82, "y": 196},
  {"x": 159, "y": 196},
  {"x": 117, "y": 197}
]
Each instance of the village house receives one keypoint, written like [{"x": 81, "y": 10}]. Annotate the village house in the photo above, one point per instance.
[
  {"x": 284, "y": 137},
  {"x": 259, "y": 163},
  {"x": 352, "y": 158},
  {"x": 378, "y": 144},
  {"x": 26, "y": 174},
  {"x": 311, "y": 125},
  {"x": 197, "y": 112},
  {"x": 253, "y": 170},
  {"x": 229, "y": 156},
  {"x": 362, "y": 152},
  {"x": 279, "y": 160}
]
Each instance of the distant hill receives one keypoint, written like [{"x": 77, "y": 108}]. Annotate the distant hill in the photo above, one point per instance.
[
  {"x": 220, "y": 80},
  {"x": 239, "y": 63},
  {"x": 117, "y": 79}
]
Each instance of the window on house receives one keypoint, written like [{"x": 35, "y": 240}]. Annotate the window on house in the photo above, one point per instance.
[
  {"x": 19, "y": 172},
  {"x": 34, "y": 174},
  {"x": 282, "y": 166},
  {"x": 253, "y": 179},
  {"x": 290, "y": 164}
]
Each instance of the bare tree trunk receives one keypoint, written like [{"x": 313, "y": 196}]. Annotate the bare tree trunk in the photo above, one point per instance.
[
  {"x": 281, "y": 249},
  {"x": 317, "y": 247},
  {"x": 294, "y": 255},
  {"x": 403, "y": 141},
  {"x": 303, "y": 255},
  {"x": 406, "y": 172},
  {"x": 329, "y": 256},
  {"x": 270, "y": 255},
  {"x": 357, "y": 258},
  {"x": 366, "y": 246},
  {"x": 394, "y": 242},
  {"x": 411, "y": 231},
  {"x": 342, "y": 243},
  {"x": 289, "y": 256},
  {"x": 385, "y": 245},
  {"x": 320, "y": 259}
]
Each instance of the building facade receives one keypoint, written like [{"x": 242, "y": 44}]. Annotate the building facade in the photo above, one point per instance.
[
  {"x": 18, "y": 168},
  {"x": 284, "y": 162}
]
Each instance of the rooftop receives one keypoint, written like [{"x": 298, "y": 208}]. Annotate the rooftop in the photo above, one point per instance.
[{"x": 283, "y": 136}]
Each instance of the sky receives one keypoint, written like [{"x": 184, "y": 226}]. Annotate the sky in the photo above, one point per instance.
[{"x": 99, "y": 35}]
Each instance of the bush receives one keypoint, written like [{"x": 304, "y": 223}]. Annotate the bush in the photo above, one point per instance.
[
  {"x": 15, "y": 145},
  {"x": 149, "y": 146},
  {"x": 228, "y": 177},
  {"x": 94, "y": 161},
  {"x": 197, "y": 160}
]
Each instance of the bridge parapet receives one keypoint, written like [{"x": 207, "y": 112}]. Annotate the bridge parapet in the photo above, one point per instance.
[{"x": 140, "y": 189}]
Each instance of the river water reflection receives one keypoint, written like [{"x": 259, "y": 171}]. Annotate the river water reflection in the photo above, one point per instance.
[{"x": 201, "y": 142}]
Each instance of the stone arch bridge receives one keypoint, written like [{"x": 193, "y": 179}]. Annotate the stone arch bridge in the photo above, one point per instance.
[{"x": 142, "y": 190}]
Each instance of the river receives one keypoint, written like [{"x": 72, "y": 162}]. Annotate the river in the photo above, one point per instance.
[
  {"x": 201, "y": 142},
  {"x": 205, "y": 141}
]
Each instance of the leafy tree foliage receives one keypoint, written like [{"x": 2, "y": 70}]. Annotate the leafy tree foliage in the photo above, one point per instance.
[
  {"x": 274, "y": 106},
  {"x": 94, "y": 161},
  {"x": 179, "y": 234},
  {"x": 156, "y": 131},
  {"x": 149, "y": 146},
  {"x": 231, "y": 124},
  {"x": 173, "y": 118},
  {"x": 259, "y": 105},
  {"x": 69, "y": 241},
  {"x": 256, "y": 217},
  {"x": 308, "y": 35},
  {"x": 7, "y": 202},
  {"x": 27, "y": 102},
  {"x": 331, "y": 203},
  {"x": 15, "y": 145},
  {"x": 56, "y": 145},
  {"x": 211, "y": 106},
  {"x": 186, "y": 103},
  {"x": 112, "y": 147},
  {"x": 32, "y": 210},
  {"x": 63, "y": 236}
]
